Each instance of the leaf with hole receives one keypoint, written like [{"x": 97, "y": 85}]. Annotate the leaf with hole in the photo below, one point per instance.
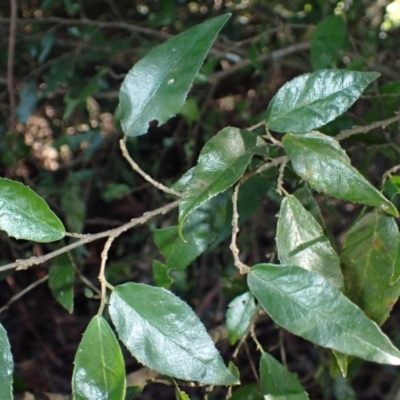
[
  {"x": 320, "y": 161},
  {"x": 221, "y": 163},
  {"x": 368, "y": 259},
  {"x": 99, "y": 371},
  {"x": 277, "y": 383},
  {"x": 312, "y": 100},
  {"x": 25, "y": 215},
  {"x": 6, "y": 367},
  {"x": 163, "y": 333},
  {"x": 156, "y": 87},
  {"x": 307, "y": 305},
  {"x": 301, "y": 241}
]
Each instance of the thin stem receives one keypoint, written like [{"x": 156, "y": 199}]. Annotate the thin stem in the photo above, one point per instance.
[
  {"x": 148, "y": 178},
  {"x": 365, "y": 129},
  {"x": 23, "y": 292},
  {"x": 24, "y": 264},
  {"x": 102, "y": 277},
  {"x": 243, "y": 268}
]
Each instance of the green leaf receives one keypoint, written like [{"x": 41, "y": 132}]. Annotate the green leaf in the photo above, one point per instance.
[
  {"x": 312, "y": 100},
  {"x": 190, "y": 111},
  {"x": 163, "y": 333},
  {"x": 249, "y": 201},
  {"x": 132, "y": 392},
  {"x": 99, "y": 371},
  {"x": 320, "y": 161},
  {"x": 157, "y": 86},
  {"x": 342, "y": 389},
  {"x": 277, "y": 383},
  {"x": 247, "y": 392},
  {"x": 179, "y": 395},
  {"x": 239, "y": 315},
  {"x": 305, "y": 196},
  {"x": 115, "y": 191},
  {"x": 301, "y": 241},
  {"x": 221, "y": 163},
  {"x": 6, "y": 367},
  {"x": 392, "y": 186},
  {"x": 396, "y": 270},
  {"x": 25, "y": 215},
  {"x": 93, "y": 86},
  {"x": 74, "y": 207},
  {"x": 307, "y": 305},
  {"x": 61, "y": 281},
  {"x": 201, "y": 228},
  {"x": 328, "y": 38},
  {"x": 341, "y": 363},
  {"x": 368, "y": 257},
  {"x": 160, "y": 274}
]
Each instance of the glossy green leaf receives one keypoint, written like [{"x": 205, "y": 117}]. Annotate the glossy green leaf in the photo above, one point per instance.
[
  {"x": 221, "y": 163},
  {"x": 99, "y": 371},
  {"x": 163, "y": 333},
  {"x": 277, "y": 383},
  {"x": 25, "y": 215},
  {"x": 312, "y": 100},
  {"x": 201, "y": 228},
  {"x": 6, "y": 367},
  {"x": 307, "y": 305},
  {"x": 328, "y": 38},
  {"x": 156, "y": 87},
  {"x": 320, "y": 161},
  {"x": 368, "y": 257},
  {"x": 301, "y": 241},
  {"x": 61, "y": 281},
  {"x": 239, "y": 315}
]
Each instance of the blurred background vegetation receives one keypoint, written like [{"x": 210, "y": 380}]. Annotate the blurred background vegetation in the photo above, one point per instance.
[{"x": 61, "y": 67}]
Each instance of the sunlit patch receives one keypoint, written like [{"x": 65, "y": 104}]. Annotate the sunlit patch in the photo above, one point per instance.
[{"x": 39, "y": 136}]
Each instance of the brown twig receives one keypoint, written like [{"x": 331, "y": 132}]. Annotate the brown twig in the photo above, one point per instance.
[
  {"x": 10, "y": 61},
  {"x": 273, "y": 56},
  {"x": 243, "y": 268},
  {"x": 88, "y": 22},
  {"x": 24, "y": 264},
  {"x": 102, "y": 278},
  {"x": 365, "y": 129},
  {"x": 148, "y": 178},
  {"x": 23, "y": 292}
]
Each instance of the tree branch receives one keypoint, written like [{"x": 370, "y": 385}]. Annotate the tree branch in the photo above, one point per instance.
[
  {"x": 24, "y": 264},
  {"x": 365, "y": 129}
]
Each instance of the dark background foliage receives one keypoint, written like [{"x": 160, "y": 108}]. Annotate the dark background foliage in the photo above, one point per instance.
[{"x": 70, "y": 59}]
